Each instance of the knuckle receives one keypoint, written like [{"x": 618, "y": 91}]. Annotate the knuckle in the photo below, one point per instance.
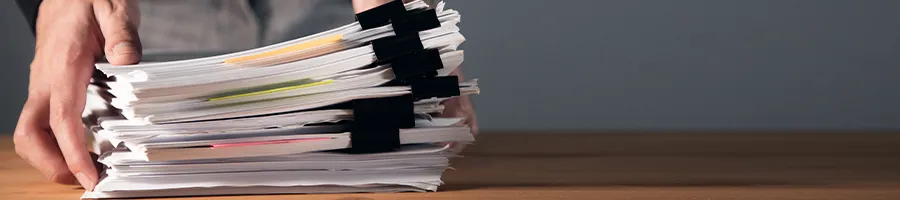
[
  {"x": 58, "y": 121},
  {"x": 21, "y": 140},
  {"x": 76, "y": 164},
  {"x": 60, "y": 176},
  {"x": 76, "y": 60},
  {"x": 33, "y": 97},
  {"x": 59, "y": 108},
  {"x": 21, "y": 151}
]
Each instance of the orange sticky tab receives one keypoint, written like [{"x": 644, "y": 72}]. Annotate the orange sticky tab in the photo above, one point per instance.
[{"x": 288, "y": 49}]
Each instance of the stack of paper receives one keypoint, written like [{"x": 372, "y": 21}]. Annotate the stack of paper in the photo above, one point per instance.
[{"x": 353, "y": 109}]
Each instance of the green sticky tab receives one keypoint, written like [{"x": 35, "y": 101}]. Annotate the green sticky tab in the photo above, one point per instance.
[{"x": 274, "y": 90}]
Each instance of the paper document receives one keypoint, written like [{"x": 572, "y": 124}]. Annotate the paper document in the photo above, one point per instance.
[{"x": 352, "y": 109}]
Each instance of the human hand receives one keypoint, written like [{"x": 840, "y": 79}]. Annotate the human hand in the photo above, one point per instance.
[
  {"x": 363, "y": 5},
  {"x": 461, "y": 107},
  {"x": 71, "y": 35}
]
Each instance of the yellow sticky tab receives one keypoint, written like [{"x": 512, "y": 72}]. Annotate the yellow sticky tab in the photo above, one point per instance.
[
  {"x": 288, "y": 49},
  {"x": 323, "y": 82}
]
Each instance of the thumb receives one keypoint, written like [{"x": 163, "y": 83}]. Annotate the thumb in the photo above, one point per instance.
[{"x": 119, "y": 20}]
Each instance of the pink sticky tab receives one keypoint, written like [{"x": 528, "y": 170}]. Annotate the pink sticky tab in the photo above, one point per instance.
[{"x": 237, "y": 144}]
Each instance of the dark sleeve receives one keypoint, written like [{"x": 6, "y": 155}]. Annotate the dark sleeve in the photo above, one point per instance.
[{"x": 29, "y": 9}]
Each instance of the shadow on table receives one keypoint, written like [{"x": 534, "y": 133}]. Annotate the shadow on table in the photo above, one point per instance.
[
  {"x": 676, "y": 160},
  {"x": 695, "y": 183}
]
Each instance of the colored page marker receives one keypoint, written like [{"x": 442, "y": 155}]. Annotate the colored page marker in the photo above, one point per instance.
[
  {"x": 288, "y": 49},
  {"x": 323, "y": 82}
]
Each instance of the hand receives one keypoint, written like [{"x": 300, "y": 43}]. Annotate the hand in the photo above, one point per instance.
[
  {"x": 363, "y": 5},
  {"x": 71, "y": 34},
  {"x": 461, "y": 107}
]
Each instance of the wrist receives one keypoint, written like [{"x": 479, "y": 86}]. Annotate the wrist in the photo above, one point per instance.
[{"x": 363, "y": 5}]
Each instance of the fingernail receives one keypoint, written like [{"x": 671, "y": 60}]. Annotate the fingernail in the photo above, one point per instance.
[
  {"x": 124, "y": 48},
  {"x": 86, "y": 182}
]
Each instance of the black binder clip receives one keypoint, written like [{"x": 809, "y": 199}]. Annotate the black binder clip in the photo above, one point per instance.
[
  {"x": 403, "y": 51},
  {"x": 430, "y": 87},
  {"x": 393, "y": 46},
  {"x": 417, "y": 64},
  {"x": 415, "y": 21},
  {"x": 377, "y": 123},
  {"x": 381, "y": 15},
  {"x": 388, "y": 111},
  {"x": 403, "y": 21},
  {"x": 374, "y": 139}
]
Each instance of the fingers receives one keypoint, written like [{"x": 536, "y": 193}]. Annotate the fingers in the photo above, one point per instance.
[
  {"x": 67, "y": 102},
  {"x": 118, "y": 21},
  {"x": 36, "y": 145},
  {"x": 50, "y": 134},
  {"x": 461, "y": 106}
]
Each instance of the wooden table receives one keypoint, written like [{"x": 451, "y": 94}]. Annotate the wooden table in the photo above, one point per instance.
[{"x": 621, "y": 166}]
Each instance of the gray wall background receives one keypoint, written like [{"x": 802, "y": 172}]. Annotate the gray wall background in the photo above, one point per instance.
[{"x": 649, "y": 64}]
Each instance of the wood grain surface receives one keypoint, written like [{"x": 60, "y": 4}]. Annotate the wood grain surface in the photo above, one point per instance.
[{"x": 635, "y": 165}]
